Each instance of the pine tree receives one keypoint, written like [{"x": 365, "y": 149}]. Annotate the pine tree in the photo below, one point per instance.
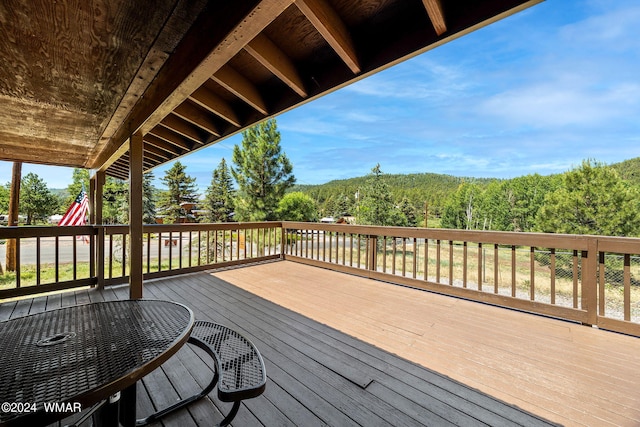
[
  {"x": 80, "y": 180},
  {"x": 149, "y": 199},
  {"x": 180, "y": 188},
  {"x": 409, "y": 212},
  {"x": 593, "y": 200},
  {"x": 115, "y": 209},
  {"x": 219, "y": 195},
  {"x": 4, "y": 198},
  {"x": 36, "y": 201},
  {"x": 377, "y": 207},
  {"x": 263, "y": 173}
]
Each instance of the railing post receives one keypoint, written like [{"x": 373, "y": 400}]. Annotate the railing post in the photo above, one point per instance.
[
  {"x": 590, "y": 281},
  {"x": 283, "y": 240},
  {"x": 373, "y": 253}
]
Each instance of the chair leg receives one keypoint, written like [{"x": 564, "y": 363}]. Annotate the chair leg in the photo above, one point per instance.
[
  {"x": 231, "y": 415},
  {"x": 188, "y": 400}
]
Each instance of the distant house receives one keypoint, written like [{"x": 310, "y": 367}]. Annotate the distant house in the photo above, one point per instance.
[
  {"x": 55, "y": 219},
  {"x": 4, "y": 219}
]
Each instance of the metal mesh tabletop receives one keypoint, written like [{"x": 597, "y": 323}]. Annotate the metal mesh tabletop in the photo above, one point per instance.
[{"x": 85, "y": 353}]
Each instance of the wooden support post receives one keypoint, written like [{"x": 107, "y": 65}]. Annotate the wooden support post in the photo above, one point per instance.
[
  {"x": 14, "y": 202},
  {"x": 135, "y": 216},
  {"x": 99, "y": 253}
]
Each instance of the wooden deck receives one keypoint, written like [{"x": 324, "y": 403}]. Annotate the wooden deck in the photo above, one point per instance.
[{"x": 342, "y": 350}]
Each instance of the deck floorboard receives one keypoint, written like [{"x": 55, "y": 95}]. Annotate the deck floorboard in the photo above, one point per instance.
[{"x": 346, "y": 351}]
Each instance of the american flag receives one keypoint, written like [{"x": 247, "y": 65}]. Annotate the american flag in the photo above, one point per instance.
[{"x": 77, "y": 212}]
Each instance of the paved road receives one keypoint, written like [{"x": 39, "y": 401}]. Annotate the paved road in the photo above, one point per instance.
[{"x": 65, "y": 250}]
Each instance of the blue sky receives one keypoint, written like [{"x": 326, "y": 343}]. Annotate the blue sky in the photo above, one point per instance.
[{"x": 537, "y": 92}]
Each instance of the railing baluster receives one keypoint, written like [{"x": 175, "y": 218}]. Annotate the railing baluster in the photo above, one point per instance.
[
  {"x": 159, "y": 251},
  {"x": 57, "y": 258},
  {"x": 532, "y": 274},
  {"x": 393, "y": 256},
  {"x": 179, "y": 248},
  {"x": 464, "y": 263},
  {"x": 75, "y": 257},
  {"x": 384, "y": 254},
  {"x": 514, "y": 269},
  {"x": 19, "y": 264},
  {"x": 148, "y": 253},
  {"x": 404, "y": 256},
  {"x": 479, "y": 266},
  {"x": 351, "y": 249},
  {"x": 415, "y": 260},
  {"x": 110, "y": 256},
  {"x": 601, "y": 282},
  {"x": 324, "y": 246},
  {"x": 627, "y": 287},
  {"x": 170, "y": 249},
  {"x": 190, "y": 250},
  {"x": 426, "y": 258},
  {"x": 552, "y": 264},
  {"x": 238, "y": 243},
  {"x": 124, "y": 255},
  {"x": 495, "y": 269},
  {"x": 38, "y": 255},
  {"x": 575, "y": 279},
  {"x": 199, "y": 247},
  {"x": 438, "y": 261},
  {"x": 451, "y": 262}
]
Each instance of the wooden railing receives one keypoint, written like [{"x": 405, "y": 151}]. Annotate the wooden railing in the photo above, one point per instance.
[
  {"x": 588, "y": 279},
  {"x": 56, "y": 258},
  {"x": 48, "y": 259},
  {"x": 182, "y": 248},
  {"x": 593, "y": 280}
]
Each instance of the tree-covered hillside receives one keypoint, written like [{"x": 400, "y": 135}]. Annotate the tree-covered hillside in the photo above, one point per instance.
[
  {"x": 338, "y": 197},
  {"x": 603, "y": 197},
  {"x": 629, "y": 170}
]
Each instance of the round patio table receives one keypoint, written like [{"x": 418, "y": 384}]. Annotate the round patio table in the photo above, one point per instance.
[{"x": 57, "y": 362}]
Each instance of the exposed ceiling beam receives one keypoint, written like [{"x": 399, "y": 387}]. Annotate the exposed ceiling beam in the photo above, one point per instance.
[
  {"x": 157, "y": 152},
  {"x": 119, "y": 171},
  {"x": 436, "y": 14},
  {"x": 212, "y": 102},
  {"x": 163, "y": 145},
  {"x": 152, "y": 158},
  {"x": 146, "y": 162},
  {"x": 329, "y": 24},
  {"x": 276, "y": 61},
  {"x": 241, "y": 87},
  {"x": 183, "y": 128},
  {"x": 199, "y": 117},
  {"x": 210, "y": 44},
  {"x": 171, "y": 137}
]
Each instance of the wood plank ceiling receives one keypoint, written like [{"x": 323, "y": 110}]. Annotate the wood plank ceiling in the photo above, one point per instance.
[{"x": 78, "y": 78}]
